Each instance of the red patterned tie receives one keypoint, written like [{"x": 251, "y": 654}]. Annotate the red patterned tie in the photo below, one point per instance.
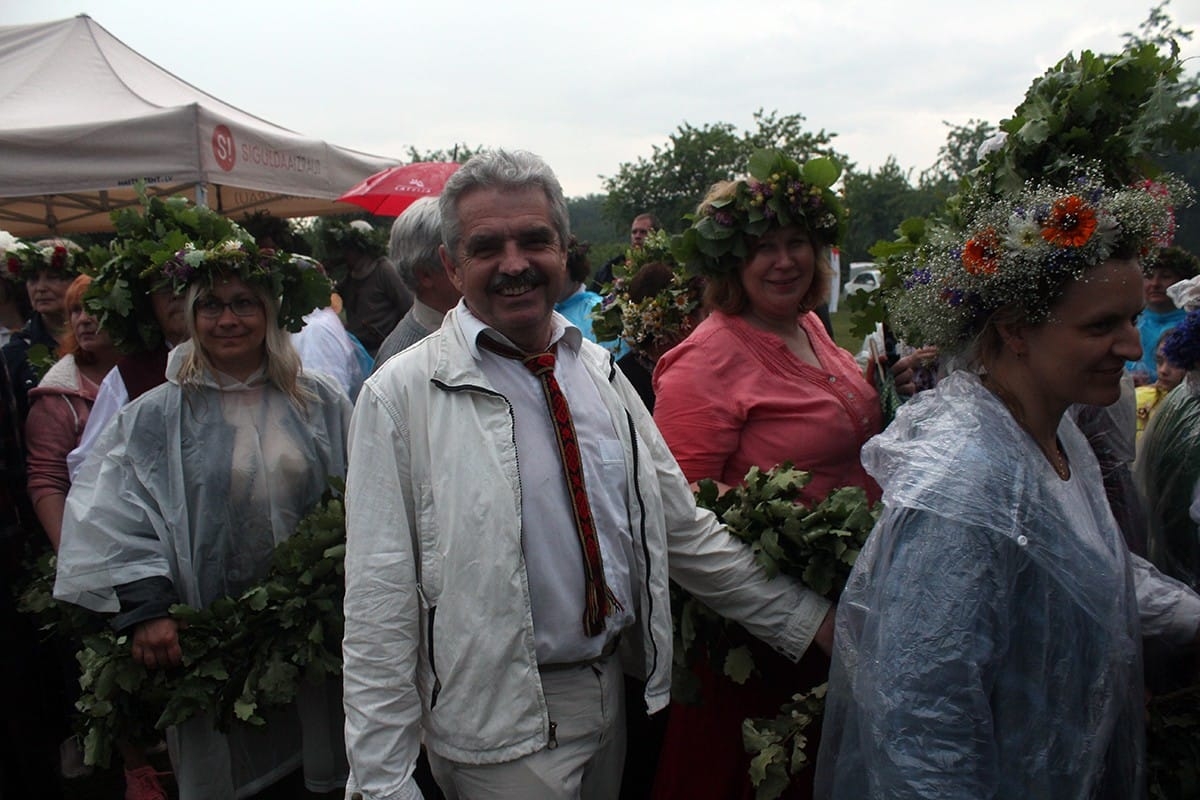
[{"x": 599, "y": 599}]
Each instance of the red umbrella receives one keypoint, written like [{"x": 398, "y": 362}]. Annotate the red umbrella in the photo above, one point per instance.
[{"x": 388, "y": 193}]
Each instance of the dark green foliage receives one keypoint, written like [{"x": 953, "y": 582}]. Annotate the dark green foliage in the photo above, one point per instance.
[
  {"x": 818, "y": 547},
  {"x": 241, "y": 656},
  {"x": 1173, "y": 745}
]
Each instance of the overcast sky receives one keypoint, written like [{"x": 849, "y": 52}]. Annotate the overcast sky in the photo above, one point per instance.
[{"x": 591, "y": 85}]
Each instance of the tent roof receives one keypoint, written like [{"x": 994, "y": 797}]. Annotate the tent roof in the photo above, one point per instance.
[{"x": 86, "y": 118}]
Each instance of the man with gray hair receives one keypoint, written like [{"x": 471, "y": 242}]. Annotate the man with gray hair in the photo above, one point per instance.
[
  {"x": 413, "y": 249},
  {"x": 510, "y": 510}
]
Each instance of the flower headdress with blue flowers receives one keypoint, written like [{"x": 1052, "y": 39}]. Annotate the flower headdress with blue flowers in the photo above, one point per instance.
[
  {"x": 1022, "y": 250},
  {"x": 1072, "y": 182}
]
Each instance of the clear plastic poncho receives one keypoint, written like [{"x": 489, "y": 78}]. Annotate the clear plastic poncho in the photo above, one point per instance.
[
  {"x": 987, "y": 643},
  {"x": 198, "y": 486},
  {"x": 1168, "y": 469}
]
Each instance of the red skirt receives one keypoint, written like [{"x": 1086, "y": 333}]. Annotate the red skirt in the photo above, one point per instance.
[{"x": 703, "y": 756}]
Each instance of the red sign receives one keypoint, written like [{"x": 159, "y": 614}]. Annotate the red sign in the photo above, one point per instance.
[{"x": 223, "y": 147}]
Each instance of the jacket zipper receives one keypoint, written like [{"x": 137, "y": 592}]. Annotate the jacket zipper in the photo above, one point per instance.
[
  {"x": 637, "y": 491},
  {"x": 437, "y": 682}
]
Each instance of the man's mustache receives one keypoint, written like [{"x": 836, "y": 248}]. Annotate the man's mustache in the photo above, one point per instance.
[{"x": 527, "y": 279}]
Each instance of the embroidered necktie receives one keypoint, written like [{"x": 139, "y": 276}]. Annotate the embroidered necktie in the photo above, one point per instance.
[{"x": 599, "y": 600}]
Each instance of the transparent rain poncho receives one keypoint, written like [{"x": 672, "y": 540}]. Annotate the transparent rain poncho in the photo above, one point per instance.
[
  {"x": 1168, "y": 469},
  {"x": 198, "y": 486},
  {"x": 987, "y": 643}
]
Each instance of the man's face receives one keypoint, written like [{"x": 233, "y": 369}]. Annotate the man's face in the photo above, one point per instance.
[
  {"x": 1155, "y": 283},
  {"x": 435, "y": 290},
  {"x": 510, "y": 264},
  {"x": 640, "y": 229},
  {"x": 169, "y": 313}
]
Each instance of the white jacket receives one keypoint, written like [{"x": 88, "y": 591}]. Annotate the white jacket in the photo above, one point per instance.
[{"x": 439, "y": 635}]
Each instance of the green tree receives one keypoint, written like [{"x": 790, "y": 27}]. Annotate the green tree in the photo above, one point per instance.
[
  {"x": 676, "y": 176},
  {"x": 957, "y": 157},
  {"x": 1159, "y": 30},
  {"x": 879, "y": 200},
  {"x": 459, "y": 152},
  {"x": 589, "y": 224}
]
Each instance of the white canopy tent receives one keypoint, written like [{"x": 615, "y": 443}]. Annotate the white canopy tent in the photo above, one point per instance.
[{"x": 84, "y": 119}]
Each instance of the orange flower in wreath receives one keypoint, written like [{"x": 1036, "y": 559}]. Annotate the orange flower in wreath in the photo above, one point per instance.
[
  {"x": 1071, "y": 222},
  {"x": 981, "y": 254}
]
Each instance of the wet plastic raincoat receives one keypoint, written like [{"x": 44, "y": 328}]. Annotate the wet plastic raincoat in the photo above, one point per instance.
[
  {"x": 198, "y": 486},
  {"x": 1168, "y": 470},
  {"x": 988, "y": 641}
]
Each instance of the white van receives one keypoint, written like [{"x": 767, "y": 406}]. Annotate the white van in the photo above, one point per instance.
[{"x": 863, "y": 280}]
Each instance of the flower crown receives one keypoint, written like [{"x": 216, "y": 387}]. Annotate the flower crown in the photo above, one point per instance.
[
  {"x": 1021, "y": 251},
  {"x": 119, "y": 296},
  {"x": 25, "y": 258},
  {"x": 657, "y": 320},
  {"x": 296, "y": 282},
  {"x": 335, "y": 236},
  {"x": 778, "y": 192}
]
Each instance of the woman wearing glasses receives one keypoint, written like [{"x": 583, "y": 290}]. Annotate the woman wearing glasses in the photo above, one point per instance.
[{"x": 188, "y": 491}]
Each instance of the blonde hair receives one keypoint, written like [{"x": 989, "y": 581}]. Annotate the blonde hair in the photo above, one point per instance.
[{"x": 282, "y": 362}]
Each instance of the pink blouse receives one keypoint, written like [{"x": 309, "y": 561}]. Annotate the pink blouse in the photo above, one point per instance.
[{"x": 731, "y": 396}]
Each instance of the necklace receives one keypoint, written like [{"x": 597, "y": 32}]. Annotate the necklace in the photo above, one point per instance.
[
  {"x": 1054, "y": 453},
  {"x": 1059, "y": 462}
]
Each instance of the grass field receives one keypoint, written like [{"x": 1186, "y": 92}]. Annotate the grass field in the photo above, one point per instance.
[{"x": 842, "y": 321}]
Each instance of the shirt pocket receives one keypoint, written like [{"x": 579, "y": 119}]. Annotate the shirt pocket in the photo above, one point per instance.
[{"x": 612, "y": 461}]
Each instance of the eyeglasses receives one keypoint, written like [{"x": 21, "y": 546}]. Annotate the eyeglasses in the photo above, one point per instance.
[{"x": 212, "y": 308}]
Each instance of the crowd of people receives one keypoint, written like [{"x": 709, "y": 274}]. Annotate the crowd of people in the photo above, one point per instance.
[{"x": 519, "y": 497}]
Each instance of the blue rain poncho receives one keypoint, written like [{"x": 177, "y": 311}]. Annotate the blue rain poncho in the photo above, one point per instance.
[
  {"x": 198, "y": 486},
  {"x": 988, "y": 640}
]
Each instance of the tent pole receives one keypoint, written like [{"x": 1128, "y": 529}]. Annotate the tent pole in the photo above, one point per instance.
[{"x": 201, "y": 195}]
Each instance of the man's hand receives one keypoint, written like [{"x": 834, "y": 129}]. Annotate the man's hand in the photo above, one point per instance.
[
  {"x": 156, "y": 643},
  {"x": 824, "y": 635}
]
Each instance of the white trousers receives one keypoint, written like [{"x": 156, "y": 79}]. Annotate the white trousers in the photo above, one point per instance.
[{"x": 587, "y": 709}]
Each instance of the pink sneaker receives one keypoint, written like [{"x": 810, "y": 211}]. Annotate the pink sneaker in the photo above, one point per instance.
[{"x": 142, "y": 784}]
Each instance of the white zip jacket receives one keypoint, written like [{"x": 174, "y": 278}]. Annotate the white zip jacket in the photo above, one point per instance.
[{"x": 439, "y": 642}]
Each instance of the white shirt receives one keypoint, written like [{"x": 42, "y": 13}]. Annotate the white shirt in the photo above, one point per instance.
[
  {"x": 550, "y": 542},
  {"x": 429, "y": 318},
  {"x": 324, "y": 346}
]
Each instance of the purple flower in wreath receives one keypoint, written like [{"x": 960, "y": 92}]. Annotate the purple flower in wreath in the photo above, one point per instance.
[
  {"x": 760, "y": 192},
  {"x": 723, "y": 218},
  {"x": 177, "y": 268},
  {"x": 770, "y": 213},
  {"x": 919, "y": 277}
]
